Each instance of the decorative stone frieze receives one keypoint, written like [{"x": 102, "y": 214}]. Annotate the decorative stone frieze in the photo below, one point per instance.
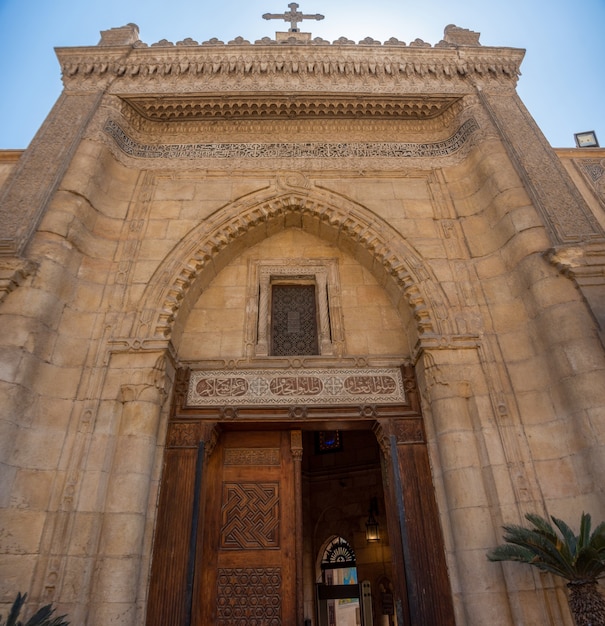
[
  {"x": 594, "y": 172},
  {"x": 290, "y": 388},
  {"x": 296, "y": 150},
  {"x": 234, "y": 116}
]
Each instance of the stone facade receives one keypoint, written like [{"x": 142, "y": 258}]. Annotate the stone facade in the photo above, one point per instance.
[{"x": 456, "y": 241}]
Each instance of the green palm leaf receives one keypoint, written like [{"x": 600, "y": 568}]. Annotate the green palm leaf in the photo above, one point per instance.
[
  {"x": 42, "y": 617},
  {"x": 570, "y": 544},
  {"x": 597, "y": 539},
  {"x": 589, "y": 564},
  {"x": 578, "y": 558},
  {"x": 584, "y": 536},
  {"x": 11, "y": 620},
  {"x": 508, "y": 552},
  {"x": 541, "y": 525},
  {"x": 575, "y": 558},
  {"x": 545, "y": 548}
]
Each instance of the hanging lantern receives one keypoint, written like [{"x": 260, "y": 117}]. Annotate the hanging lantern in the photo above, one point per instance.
[{"x": 372, "y": 529}]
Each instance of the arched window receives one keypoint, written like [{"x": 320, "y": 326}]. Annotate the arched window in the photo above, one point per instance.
[
  {"x": 338, "y": 564},
  {"x": 338, "y": 592}
]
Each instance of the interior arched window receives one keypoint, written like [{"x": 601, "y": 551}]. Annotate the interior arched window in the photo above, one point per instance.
[{"x": 338, "y": 564}]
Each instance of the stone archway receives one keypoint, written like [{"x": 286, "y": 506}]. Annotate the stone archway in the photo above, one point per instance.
[
  {"x": 202, "y": 253},
  {"x": 195, "y": 263}
]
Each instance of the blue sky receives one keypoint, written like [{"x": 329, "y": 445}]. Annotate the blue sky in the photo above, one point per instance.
[{"x": 563, "y": 74}]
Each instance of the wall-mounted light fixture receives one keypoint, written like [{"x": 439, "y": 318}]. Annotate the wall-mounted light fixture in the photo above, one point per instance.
[
  {"x": 372, "y": 529},
  {"x": 587, "y": 139}
]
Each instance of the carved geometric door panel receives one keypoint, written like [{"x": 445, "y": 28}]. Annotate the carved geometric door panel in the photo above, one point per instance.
[{"x": 246, "y": 563}]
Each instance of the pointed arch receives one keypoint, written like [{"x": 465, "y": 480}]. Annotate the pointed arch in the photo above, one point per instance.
[{"x": 200, "y": 255}]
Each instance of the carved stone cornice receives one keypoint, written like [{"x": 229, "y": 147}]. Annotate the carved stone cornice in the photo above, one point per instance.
[
  {"x": 284, "y": 106},
  {"x": 241, "y": 119},
  {"x": 265, "y": 66}
]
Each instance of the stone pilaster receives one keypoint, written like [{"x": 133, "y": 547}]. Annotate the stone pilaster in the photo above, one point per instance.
[
  {"x": 26, "y": 194},
  {"x": 481, "y": 472},
  {"x": 118, "y": 563},
  {"x": 566, "y": 215}
]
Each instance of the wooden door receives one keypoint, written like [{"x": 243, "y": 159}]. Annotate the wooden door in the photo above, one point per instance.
[{"x": 246, "y": 565}]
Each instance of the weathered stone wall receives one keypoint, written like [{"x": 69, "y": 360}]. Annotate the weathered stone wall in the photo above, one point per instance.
[
  {"x": 8, "y": 161},
  {"x": 138, "y": 261}
]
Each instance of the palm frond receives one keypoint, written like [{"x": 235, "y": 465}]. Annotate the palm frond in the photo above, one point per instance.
[
  {"x": 42, "y": 617},
  {"x": 41, "y": 614},
  {"x": 11, "y": 620},
  {"x": 597, "y": 539},
  {"x": 570, "y": 541},
  {"x": 509, "y": 552},
  {"x": 589, "y": 564},
  {"x": 543, "y": 552},
  {"x": 584, "y": 536},
  {"x": 58, "y": 621},
  {"x": 541, "y": 524},
  {"x": 560, "y": 551}
]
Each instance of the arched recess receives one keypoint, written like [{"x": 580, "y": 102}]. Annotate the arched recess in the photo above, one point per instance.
[
  {"x": 205, "y": 250},
  {"x": 172, "y": 292}
]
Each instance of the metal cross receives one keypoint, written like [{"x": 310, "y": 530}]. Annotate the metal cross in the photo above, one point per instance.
[{"x": 293, "y": 17}]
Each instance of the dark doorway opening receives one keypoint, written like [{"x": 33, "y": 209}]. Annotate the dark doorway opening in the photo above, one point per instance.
[{"x": 342, "y": 485}]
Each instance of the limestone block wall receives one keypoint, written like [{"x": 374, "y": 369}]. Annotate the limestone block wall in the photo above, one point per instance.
[
  {"x": 139, "y": 264},
  {"x": 60, "y": 428},
  {"x": 107, "y": 233},
  {"x": 545, "y": 336},
  {"x": 216, "y": 325}
]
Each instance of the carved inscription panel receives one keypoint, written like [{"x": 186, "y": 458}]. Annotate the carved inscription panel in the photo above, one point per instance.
[{"x": 308, "y": 387}]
